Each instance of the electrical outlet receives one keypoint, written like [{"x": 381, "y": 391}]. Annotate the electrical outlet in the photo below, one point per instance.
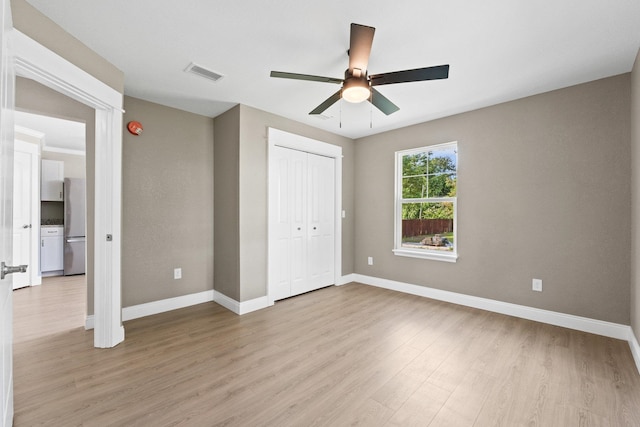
[
  {"x": 536, "y": 285},
  {"x": 370, "y": 260},
  {"x": 177, "y": 273}
]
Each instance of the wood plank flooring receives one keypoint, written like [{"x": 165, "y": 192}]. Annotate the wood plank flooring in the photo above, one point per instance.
[
  {"x": 56, "y": 306},
  {"x": 350, "y": 355}
]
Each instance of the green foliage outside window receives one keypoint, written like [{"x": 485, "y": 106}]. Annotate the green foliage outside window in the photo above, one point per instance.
[{"x": 429, "y": 174}]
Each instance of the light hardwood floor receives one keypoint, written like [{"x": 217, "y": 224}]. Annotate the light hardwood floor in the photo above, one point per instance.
[{"x": 350, "y": 355}]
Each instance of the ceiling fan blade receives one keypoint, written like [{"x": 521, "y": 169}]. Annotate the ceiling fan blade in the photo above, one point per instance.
[
  {"x": 360, "y": 46},
  {"x": 328, "y": 103},
  {"x": 382, "y": 103},
  {"x": 284, "y": 75},
  {"x": 419, "y": 74}
]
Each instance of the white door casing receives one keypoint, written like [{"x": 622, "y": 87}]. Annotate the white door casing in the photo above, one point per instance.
[
  {"x": 300, "y": 225},
  {"x": 38, "y": 63},
  {"x": 25, "y": 213},
  {"x": 7, "y": 103}
]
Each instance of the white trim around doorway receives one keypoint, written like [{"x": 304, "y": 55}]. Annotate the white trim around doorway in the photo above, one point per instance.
[{"x": 38, "y": 63}]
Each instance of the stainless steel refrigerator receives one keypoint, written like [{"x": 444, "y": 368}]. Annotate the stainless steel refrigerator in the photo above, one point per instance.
[{"x": 74, "y": 226}]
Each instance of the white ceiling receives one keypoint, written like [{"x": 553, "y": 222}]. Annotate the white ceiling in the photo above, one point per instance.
[
  {"x": 498, "y": 50},
  {"x": 56, "y": 135}
]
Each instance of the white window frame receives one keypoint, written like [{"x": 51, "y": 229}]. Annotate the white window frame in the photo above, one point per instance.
[{"x": 448, "y": 256}]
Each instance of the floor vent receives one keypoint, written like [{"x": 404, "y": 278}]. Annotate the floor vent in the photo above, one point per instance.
[{"x": 203, "y": 72}]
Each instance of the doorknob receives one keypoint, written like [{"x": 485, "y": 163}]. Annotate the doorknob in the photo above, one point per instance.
[
  {"x": 26, "y": 226},
  {"x": 10, "y": 269}
]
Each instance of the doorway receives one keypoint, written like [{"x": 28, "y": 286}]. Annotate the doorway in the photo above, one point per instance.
[
  {"x": 60, "y": 147},
  {"x": 34, "y": 61}
]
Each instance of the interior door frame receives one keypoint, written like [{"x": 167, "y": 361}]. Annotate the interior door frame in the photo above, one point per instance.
[
  {"x": 292, "y": 141},
  {"x": 36, "y": 62}
]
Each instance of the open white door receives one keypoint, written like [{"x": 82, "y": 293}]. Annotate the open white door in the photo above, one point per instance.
[
  {"x": 7, "y": 102},
  {"x": 25, "y": 215}
]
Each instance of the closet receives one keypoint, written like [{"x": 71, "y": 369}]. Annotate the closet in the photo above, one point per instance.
[{"x": 302, "y": 222}]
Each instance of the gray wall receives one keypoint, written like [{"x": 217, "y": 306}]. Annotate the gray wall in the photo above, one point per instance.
[
  {"x": 226, "y": 203},
  {"x": 251, "y": 197},
  {"x": 543, "y": 192},
  {"x": 167, "y": 218},
  {"x": 31, "y": 22},
  {"x": 33, "y": 97},
  {"x": 635, "y": 188}
]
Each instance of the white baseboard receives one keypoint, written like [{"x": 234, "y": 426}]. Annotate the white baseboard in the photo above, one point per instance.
[
  {"x": 346, "y": 279},
  {"x": 584, "y": 324},
  {"x": 635, "y": 348},
  {"x": 240, "y": 307},
  {"x": 89, "y": 322},
  {"x": 155, "y": 307}
]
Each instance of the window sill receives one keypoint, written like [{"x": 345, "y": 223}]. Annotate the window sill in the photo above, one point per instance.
[{"x": 432, "y": 255}]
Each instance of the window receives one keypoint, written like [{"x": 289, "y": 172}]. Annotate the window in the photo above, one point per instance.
[{"x": 425, "y": 216}]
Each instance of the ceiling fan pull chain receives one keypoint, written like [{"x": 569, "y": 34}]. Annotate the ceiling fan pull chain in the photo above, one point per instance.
[
  {"x": 340, "y": 114},
  {"x": 371, "y": 111}
]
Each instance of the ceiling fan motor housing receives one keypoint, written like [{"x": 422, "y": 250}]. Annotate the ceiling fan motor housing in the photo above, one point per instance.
[{"x": 356, "y": 86}]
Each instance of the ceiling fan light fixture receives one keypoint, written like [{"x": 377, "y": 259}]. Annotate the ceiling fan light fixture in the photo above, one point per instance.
[
  {"x": 356, "y": 90},
  {"x": 357, "y": 85}
]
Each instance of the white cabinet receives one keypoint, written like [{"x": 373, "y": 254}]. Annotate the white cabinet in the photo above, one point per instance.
[
  {"x": 51, "y": 249},
  {"x": 51, "y": 180}
]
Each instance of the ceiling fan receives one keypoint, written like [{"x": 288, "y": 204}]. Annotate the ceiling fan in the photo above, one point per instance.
[{"x": 357, "y": 84}]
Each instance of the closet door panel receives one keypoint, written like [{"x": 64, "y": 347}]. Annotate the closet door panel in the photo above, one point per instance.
[
  {"x": 298, "y": 167},
  {"x": 280, "y": 217},
  {"x": 321, "y": 221}
]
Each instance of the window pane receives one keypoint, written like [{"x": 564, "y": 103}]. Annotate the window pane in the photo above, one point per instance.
[
  {"x": 442, "y": 160},
  {"x": 442, "y": 185},
  {"x": 428, "y": 226},
  {"x": 415, "y": 164},
  {"x": 414, "y": 187}
]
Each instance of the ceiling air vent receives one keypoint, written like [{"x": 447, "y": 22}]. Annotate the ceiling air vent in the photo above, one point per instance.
[{"x": 203, "y": 72}]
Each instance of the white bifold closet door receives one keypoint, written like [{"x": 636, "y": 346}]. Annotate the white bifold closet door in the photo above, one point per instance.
[{"x": 302, "y": 219}]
